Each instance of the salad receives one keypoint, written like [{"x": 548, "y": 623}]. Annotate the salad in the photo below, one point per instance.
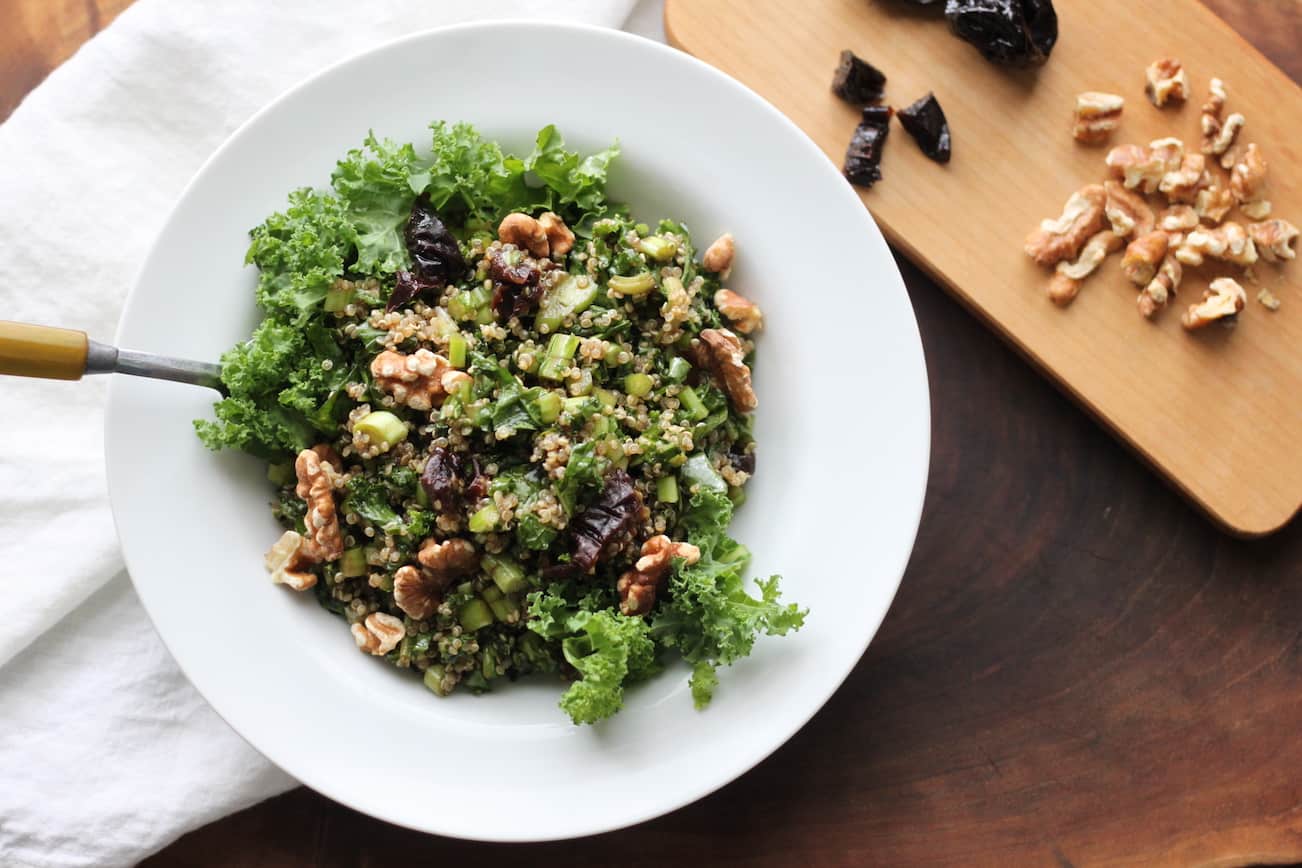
[{"x": 508, "y": 423}]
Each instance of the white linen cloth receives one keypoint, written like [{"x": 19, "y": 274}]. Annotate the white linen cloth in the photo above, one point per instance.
[{"x": 106, "y": 752}]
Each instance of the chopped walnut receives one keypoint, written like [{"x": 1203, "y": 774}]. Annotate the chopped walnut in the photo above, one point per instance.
[
  {"x": 1144, "y": 168},
  {"x": 1127, "y": 211},
  {"x": 1213, "y": 203},
  {"x": 415, "y": 380},
  {"x": 637, "y": 587},
  {"x": 449, "y": 559},
  {"x": 1068, "y": 276},
  {"x": 1183, "y": 184},
  {"x": 1267, "y": 299},
  {"x": 1223, "y": 299},
  {"x": 1167, "y": 81},
  {"x": 1097, "y": 115},
  {"x": 1248, "y": 178},
  {"x": 415, "y": 593},
  {"x": 1218, "y": 135},
  {"x": 1143, "y": 256},
  {"x": 1258, "y": 210},
  {"x": 743, "y": 313},
  {"x": 524, "y": 232},
  {"x": 1082, "y": 217},
  {"x": 718, "y": 256},
  {"x": 1274, "y": 239},
  {"x": 1162, "y": 288},
  {"x": 727, "y": 362},
  {"x": 285, "y": 562},
  {"x": 1177, "y": 218},
  {"x": 1228, "y": 242},
  {"x": 316, "y": 483},
  {"x": 378, "y": 634},
  {"x": 560, "y": 238}
]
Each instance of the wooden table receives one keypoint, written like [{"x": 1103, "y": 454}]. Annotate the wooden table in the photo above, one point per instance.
[{"x": 1078, "y": 669}]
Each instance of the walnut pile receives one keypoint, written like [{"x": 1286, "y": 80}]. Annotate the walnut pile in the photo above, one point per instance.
[
  {"x": 637, "y": 587},
  {"x": 1167, "y": 206}
]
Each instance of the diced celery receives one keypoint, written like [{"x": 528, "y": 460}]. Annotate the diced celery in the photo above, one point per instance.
[
  {"x": 471, "y": 304},
  {"x": 457, "y": 351},
  {"x": 736, "y": 494},
  {"x": 384, "y": 428},
  {"x": 602, "y": 425},
  {"x": 692, "y": 403},
  {"x": 503, "y": 607},
  {"x": 422, "y": 496},
  {"x": 575, "y": 406},
  {"x": 570, "y": 296},
  {"x": 638, "y": 284},
  {"x": 488, "y": 664},
  {"x": 667, "y": 489},
  {"x": 475, "y": 615},
  {"x": 583, "y": 385},
  {"x": 641, "y": 228},
  {"x": 484, "y": 315},
  {"x": 280, "y": 474},
  {"x": 506, "y": 573},
  {"x": 658, "y": 248},
  {"x": 484, "y": 520},
  {"x": 337, "y": 298},
  {"x": 433, "y": 678},
  {"x": 638, "y": 384},
  {"x": 606, "y": 397},
  {"x": 451, "y": 409},
  {"x": 556, "y": 361},
  {"x": 353, "y": 563},
  {"x": 698, "y": 471},
  {"x": 549, "y": 407},
  {"x": 490, "y": 594},
  {"x": 441, "y": 324},
  {"x": 679, "y": 368}
]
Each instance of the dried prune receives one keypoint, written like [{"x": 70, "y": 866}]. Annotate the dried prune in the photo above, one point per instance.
[
  {"x": 864, "y": 156},
  {"x": 435, "y": 257},
  {"x": 441, "y": 479},
  {"x": 516, "y": 287},
  {"x": 595, "y": 529},
  {"x": 925, "y": 121},
  {"x": 407, "y": 286},
  {"x": 856, "y": 80},
  {"x": 1010, "y": 32}
]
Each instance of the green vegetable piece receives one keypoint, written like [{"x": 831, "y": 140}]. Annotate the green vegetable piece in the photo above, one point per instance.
[
  {"x": 570, "y": 297},
  {"x": 692, "y": 403},
  {"x": 638, "y": 384},
  {"x": 606, "y": 397},
  {"x": 433, "y": 679},
  {"x": 504, "y": 607},
  {"x": 451, "y": 409},
  {"x": 641, "y": 228},
  {"x": 638, "y": 284},
  {"x": 556, "y": 361},
  {"x": 583, "y": 385},
  {"x": 679, "y": 368},
  {"x": 457, "y": 351},
  {"x": 736, "y": 494},
  {"x": 469, "y": 305},
  {"x": 506, "y": 573},
  {"x": 602, "y": 425},
  {"x": 422, "y": 496},
  {"x": 667, "y": 489},
  {"x": 353, "y": 563},
  {"x": 484, "y": 520},
  {"x": 475, "y": 615},
  {"x": 385, "y": 429},
  {"x": 698, "y": 471},
  {"x": 575, "y": 406},
  {"x": 280, "y": 474},
  {"x": 490, "y": 594},
  {"x": 549, "y": 407},
  {"x": 337, "y": 298},
  {"x": 658, "y": 248}
]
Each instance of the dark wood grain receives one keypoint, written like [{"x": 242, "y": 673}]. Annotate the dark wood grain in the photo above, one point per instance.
[{"x": 1078, "y": 668}]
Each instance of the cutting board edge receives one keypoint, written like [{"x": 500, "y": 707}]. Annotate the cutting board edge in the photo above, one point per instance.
[{"x": 1245, "y": 527}]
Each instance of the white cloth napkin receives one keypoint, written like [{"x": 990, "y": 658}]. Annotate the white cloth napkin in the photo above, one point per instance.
[{"x": 106, "y": 752}]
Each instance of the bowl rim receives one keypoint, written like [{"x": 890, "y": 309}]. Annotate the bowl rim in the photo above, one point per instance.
[{"x": 722, "y": 775}]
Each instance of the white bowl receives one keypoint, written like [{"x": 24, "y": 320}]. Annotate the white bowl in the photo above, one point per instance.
[{"x": 843, "y": 432}]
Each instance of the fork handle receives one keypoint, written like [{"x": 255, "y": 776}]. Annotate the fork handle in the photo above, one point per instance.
[{"x": 42, "y": 351}]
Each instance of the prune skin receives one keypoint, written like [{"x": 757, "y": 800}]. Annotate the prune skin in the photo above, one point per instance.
[
  {"x": 612, "y": 514},
  {"x": 864, "y": 156},
  {"x": 925, "y": 121},
  {"x": 435, "y": 256},
  {"x": 1008, "y": 32},
  {"x": 857, "y": 81}
]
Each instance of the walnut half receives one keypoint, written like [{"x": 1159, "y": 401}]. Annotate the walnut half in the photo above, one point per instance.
[
  {"x": 727, "y": 362},
  {"x": 637, "y": 587},
  {"x": 285, "y": 563},
  {"x": 1222, "y": 300},
  {"x": 1068, "y": 276},
  {"x": 316, "y": 486},
  {"x": 1274, "y": 239},
  {"x": 378, "y": 634},
  {"x": 1082, "y": 217},
  {"x": 1167, "y": 81},
  {"x": 415, "y": 380},
  {"x": 739, "y": 310},
  {"x": 1097, "y": 115}
]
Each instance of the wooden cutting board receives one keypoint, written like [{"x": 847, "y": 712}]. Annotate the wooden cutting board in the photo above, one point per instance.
[{"x": 1218, "y": 412}]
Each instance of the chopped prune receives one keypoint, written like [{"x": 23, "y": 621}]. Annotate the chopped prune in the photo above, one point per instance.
[
  {"x": 442, "y": 479},
  {"x": 1010, "y": 32},
  {"x": 596, "y": 529},
  {"x": 435, "y": 257},
  {"x": 856, "y": 80},
  {"x": 925, "y": 121},
  {"x": 516, "y": 287},
  {"x": 743, "y": 461},
  {"x": 407, "y": 286},
  {"x": 864, "y": 156}
]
